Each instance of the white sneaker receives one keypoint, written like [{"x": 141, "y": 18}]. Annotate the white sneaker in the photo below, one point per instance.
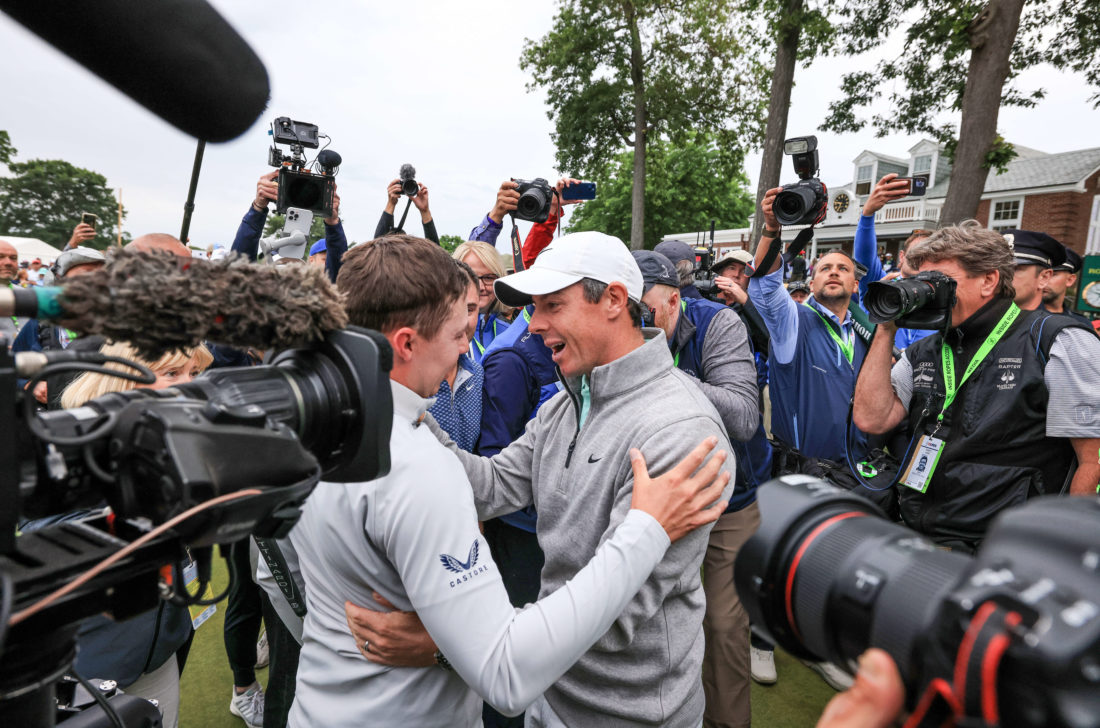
[
  {"x": 263, "y": 654},
  {"x": 249, "y": 706},
  {"x": 834, "y": 676},
  {"x": 763, "y": 666}
]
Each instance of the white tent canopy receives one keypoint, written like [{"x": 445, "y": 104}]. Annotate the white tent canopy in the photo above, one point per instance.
[{"x": 31, "y": 248}]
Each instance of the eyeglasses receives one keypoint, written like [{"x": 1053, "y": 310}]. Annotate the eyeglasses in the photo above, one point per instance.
[{"x": 487, "y": 280}]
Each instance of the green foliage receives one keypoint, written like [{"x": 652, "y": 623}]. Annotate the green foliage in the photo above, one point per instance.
[
  {"x": 450, "y": 242},
  {"x": 7, "y": 151},
  {"x": 44, "y": 199},
  {"x": 276, "y": 222},
  {"x": 928, "y": 76},
  {"x": 685, "y": 189},
  {"x": 694, "y": 71}
]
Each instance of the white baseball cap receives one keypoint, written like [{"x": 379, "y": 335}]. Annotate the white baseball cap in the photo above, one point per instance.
[{"x": 566, "y": 261}]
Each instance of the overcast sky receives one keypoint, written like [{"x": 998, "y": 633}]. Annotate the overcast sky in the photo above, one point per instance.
[{"x": 433, "y": 83}]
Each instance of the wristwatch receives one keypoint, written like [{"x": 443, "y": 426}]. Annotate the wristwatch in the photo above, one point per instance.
[
  {"x": 769, "y": 233},
  {"x": 442, "y": 661}
]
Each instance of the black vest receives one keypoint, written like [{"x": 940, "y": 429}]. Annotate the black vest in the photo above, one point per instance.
[{"x": 996, "y": 453}]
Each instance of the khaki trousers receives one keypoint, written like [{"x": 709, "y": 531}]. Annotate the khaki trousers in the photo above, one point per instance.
[{"x": 726, "y": 677}]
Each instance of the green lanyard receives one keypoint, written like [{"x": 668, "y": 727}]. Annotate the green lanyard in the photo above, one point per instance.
[
  {"x": 949, "y": 358},
  {"x": 683, "y": 312},
  {"x": 849, "y": 348}
]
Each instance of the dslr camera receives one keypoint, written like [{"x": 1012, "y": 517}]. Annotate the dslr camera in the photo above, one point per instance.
[
  {"x": 310, "y": 191},
  {"x": 1009, "y": 636},
  {"x": 534, "y": 199},
  {"x": 803, "y": 202},
  {"x": 921, "y": 302}
]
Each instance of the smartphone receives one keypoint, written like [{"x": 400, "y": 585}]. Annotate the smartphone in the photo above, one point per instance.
[
  {"x": 917, "y": 185},
  {"x": 579, "y": 191},
  {"x": 89, "y": 219}
]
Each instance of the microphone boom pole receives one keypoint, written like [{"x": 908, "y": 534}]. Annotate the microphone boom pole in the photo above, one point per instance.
[{"x": 189, "y": 206}]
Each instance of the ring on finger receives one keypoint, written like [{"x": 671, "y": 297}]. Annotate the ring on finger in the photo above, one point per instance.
[{"x": 366, "y": 646}]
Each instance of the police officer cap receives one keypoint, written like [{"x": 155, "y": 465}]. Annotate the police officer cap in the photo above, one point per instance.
[
  {"x": 1072, "y": 264},
  {"x": 794, "y": 286},
  {"x": 656, "y": 269},
  {"x": 675, "y": 251},
  {"x": 1033, "y": 248}
]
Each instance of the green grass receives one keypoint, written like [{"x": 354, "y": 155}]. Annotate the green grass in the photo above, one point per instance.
[{"x": 795, "y": 701}]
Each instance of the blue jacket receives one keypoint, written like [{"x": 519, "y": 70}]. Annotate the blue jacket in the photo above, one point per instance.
[
  {"x": 519, "y": 377},
  {"x": 247, "y": 240},
  {"x": 865, "y": 251},
  {"x": 754, "y": 458},
  {"x": 488, "y": 328}
]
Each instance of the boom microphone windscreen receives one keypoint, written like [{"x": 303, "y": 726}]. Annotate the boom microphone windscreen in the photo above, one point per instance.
[
  {"x": 159, "y": 302},
  {"x": 178, "y": 58}
]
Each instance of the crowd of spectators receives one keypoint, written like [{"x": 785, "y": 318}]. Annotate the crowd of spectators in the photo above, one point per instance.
[{"x": 578, "y": 438}]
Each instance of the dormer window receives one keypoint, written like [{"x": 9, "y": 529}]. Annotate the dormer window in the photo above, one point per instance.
[
  {"x": 922, "y": 164},
  {"x": 863, "y": 179}
]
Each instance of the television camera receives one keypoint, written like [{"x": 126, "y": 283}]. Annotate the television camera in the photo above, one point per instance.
[
  {"x": 302, "y": 193},
  {"x": 169, "y": 463}
]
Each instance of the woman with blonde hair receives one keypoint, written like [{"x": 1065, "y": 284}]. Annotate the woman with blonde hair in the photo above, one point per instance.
[
  {"x": 485, "y": 261},
  {"x": 176, "y": 367}
]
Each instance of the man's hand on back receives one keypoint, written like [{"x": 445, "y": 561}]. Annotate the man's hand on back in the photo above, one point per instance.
[
  {"x": 888, "y": 189},
  {"x": 681, "y": 499},
  {"x": 394, "y": 638}
]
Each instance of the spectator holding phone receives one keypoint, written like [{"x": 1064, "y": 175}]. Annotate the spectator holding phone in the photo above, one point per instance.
[
  {"x": 420, "y": 200},
  {"x": 865, "y": 247},
  {"x": 489, "y": 229}
]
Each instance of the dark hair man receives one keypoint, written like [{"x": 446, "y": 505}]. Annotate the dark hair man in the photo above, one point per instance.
[
  {"x": 683, "y": 257},
  {"x": 411, "y": 536},
  {"x": 621, "y": 392},
  {"x": 709, "y": 342},
  {"x": 1002, "y": 405},
  {"x": 1063, "y": 278},
  {"x": 1035, "y": 254}
]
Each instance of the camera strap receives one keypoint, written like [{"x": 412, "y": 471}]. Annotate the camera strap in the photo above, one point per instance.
[
  {"x": 797, "y": 246},
  {"x": 280, "y": 572},
  {"x": 517, "y": 247},
  {"x": 401, "y": 225}
]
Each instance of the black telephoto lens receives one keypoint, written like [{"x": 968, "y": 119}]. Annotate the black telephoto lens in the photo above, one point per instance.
[
  {"x": 826, "y": 575},
  {"x": 791, "y": 205}
]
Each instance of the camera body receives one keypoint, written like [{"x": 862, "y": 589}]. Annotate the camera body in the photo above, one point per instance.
[
  {"x": 534, "y": 199},
  {"x": 409, "y": 186},
  {"x": 803, "y": 202},
  {"x": 921, "y": 302},
  {"x": 298, "y": 186},
  {"x": 1011, "y": 632}
]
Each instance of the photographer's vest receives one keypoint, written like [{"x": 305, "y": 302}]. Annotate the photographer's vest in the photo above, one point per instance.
[
  {"x": 754, "y": 458},
  {"x": 996, "y": 452},
  {"x": 810, "y": 394}
]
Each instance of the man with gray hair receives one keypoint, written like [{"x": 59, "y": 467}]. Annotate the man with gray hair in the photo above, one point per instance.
[{"x": 1003, "y": 405}]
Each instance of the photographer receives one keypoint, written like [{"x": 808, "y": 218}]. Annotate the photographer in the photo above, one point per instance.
[
  {"x": 865, "y": 247},
  {"x": 385, "y": 224},
  {"x": 541, "y": 233},
  {"x": 251, "y": 229},
  {"x": 814, "y": 352},
  {"x": 683, "y": 257},
  {"x": 1026, "y": 402}
]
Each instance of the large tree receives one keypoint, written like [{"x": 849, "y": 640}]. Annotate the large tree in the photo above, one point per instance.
[
  {"x": 622, "y": 74},
  {"x": 961, "y": 56},
  {"x": 44, "y": 198},
  {"x": 685, "y": 189},
  {"x": 799, "y": 30}
]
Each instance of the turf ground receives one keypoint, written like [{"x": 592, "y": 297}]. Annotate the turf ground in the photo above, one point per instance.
[{"x": 795, "y": 701}]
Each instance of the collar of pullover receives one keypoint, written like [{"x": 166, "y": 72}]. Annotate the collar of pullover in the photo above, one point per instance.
[
  {"x": 969, "y": 335},
  {"x": 628, "y": 372}
]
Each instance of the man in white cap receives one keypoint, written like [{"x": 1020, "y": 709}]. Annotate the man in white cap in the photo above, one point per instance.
[{"x": 621, "y": 392}]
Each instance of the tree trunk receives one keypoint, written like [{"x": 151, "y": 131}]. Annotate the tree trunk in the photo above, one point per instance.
[
  {"x": 991, "y": 36},
  {"x": 771, "y": 162},
  {"x": 637, "y": 197}
]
